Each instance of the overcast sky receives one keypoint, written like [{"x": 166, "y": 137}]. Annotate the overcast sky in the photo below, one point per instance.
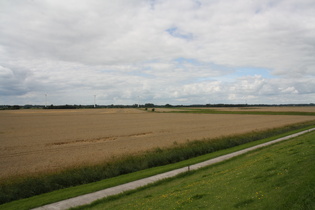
[{"x": 152, "y": 51}]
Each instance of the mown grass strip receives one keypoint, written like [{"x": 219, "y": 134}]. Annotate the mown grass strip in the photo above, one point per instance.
[
  {"x": 213, "y": 111},
  {"x": 280, "y": 176},
  {"x": 58, "y": 195}
]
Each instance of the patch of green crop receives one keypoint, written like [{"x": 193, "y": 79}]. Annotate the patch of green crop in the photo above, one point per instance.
[{"x": 213, "y": 111}]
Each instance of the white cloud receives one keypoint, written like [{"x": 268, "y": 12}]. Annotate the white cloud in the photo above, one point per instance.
[{"x": 158, "y": 51}]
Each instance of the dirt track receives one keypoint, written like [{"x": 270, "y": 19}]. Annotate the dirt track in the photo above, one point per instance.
[{"x": 35, "y": 141}]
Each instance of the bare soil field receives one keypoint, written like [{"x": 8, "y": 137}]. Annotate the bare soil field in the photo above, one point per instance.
[{"x": 35, "y": 141}]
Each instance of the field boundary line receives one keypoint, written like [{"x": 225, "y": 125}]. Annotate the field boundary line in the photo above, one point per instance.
[{"x": 91, "y": 197}]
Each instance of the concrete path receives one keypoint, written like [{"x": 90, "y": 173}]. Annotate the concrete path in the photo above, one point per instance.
[{"x": 89, "y": 198}]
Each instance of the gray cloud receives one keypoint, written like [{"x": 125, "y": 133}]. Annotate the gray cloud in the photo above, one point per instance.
[
  {"x": 159, "y": 51},
  {"x": 13, "y": 81}
]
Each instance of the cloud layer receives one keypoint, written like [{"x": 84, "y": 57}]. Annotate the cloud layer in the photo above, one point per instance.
[{"x": 140, "y": 51}]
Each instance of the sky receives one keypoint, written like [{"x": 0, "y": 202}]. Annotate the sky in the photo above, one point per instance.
[{"x": 157, "y": 51}]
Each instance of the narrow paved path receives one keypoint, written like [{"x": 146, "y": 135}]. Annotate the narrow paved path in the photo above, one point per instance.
[{"x": 89, "y": 198}]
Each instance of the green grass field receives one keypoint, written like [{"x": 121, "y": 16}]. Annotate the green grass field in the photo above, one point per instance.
[
  {"x": 214, "y": 111},
  {"x": 281, "y": 176}
]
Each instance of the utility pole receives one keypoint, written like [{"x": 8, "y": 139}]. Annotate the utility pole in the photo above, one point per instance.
[
  {"x": 45, "y": 100},
  {"x": 94, "y": 101}
]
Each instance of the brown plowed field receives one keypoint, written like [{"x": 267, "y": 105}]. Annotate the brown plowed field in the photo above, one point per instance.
[{"x": 35, "y": 141}]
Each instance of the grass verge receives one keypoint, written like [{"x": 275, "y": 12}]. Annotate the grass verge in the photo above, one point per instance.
[
  {"x": 213, "y": 111},
  {"x": 280, "y": 176}
]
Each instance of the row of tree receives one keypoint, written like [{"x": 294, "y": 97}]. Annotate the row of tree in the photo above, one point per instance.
[{"x": 147, "y": 105}]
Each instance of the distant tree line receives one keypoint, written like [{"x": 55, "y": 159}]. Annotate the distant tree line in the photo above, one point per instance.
[{"x": 147, "y": 105}]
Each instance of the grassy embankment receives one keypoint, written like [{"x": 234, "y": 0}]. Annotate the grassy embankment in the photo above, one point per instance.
[
  {"x": 29, "y": 187},
  {"x": 280, "y": 176},
  {"x": 214, "y": 111}
]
